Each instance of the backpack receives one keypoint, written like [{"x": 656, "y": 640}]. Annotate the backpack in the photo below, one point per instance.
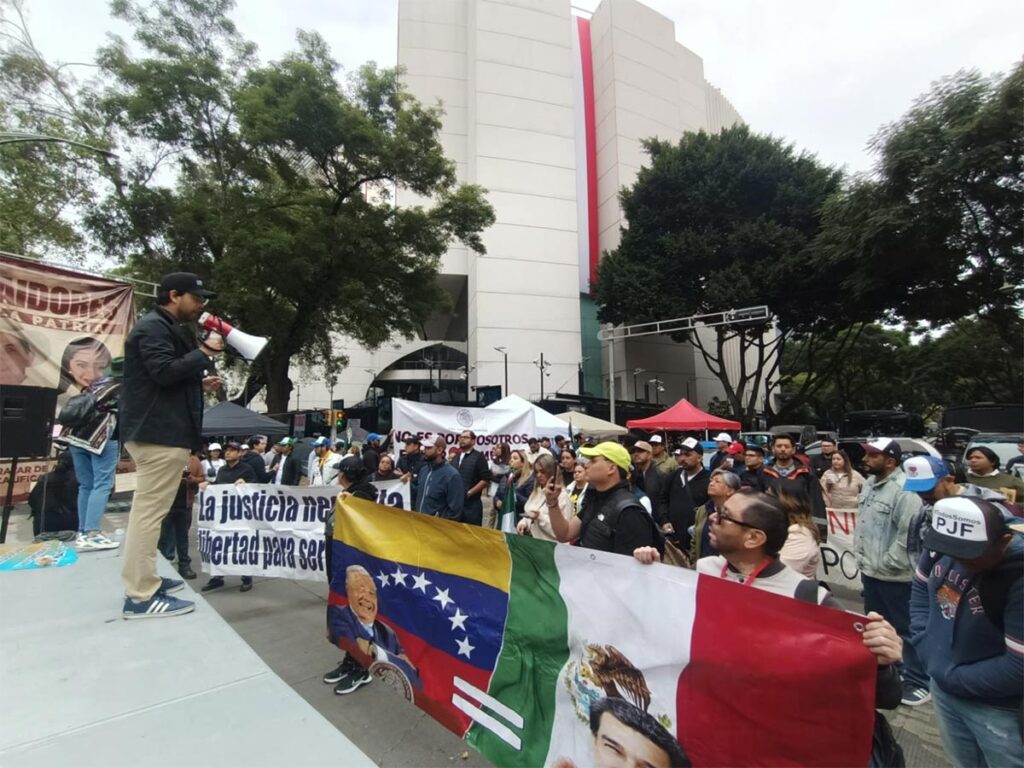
[
  {"x": 670, "y": 553},
  {"x": 78, "y": 411}
]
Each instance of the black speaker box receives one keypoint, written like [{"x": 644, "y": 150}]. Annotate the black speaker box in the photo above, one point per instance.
[{"x": 26, "y": 421}]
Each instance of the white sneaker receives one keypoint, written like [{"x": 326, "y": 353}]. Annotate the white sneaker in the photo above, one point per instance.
[
  {"x": 82, "y": 543},
  {"x": 99, "y": 541}
]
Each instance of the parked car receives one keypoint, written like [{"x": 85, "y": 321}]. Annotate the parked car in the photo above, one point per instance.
[
  {"x": 805, "y": 434},
  {"x": 1003, "y": 444},
  {"x": 911, "y": 446}
]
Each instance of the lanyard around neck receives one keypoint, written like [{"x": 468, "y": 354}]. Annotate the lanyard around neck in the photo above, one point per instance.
[{"x": 754, "y": 575}]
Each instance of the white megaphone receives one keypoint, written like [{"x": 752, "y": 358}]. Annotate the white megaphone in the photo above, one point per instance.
[{"x": 244, "y": 344}]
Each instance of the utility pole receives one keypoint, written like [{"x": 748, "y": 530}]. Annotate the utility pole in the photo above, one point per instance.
[
  {"x": 610, "y": 334},
  {"x": 542, "y": 366},
  {"x": 636, "y": 372},
  {"x": 504, "y": 352}
]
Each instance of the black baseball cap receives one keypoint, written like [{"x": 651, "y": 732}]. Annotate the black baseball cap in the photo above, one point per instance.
[
  {"x": 186, "y": 282},
  {"x": 231, "y": 443}
]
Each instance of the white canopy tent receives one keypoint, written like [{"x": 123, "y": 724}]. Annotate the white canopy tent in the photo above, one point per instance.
[
  {"x": 590, "y": 425},
  {"x": 545, "y": 424}
]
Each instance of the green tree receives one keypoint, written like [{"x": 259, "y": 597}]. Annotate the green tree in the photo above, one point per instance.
[
  {"x": 725, "y": 221},
  {"x": 879, "y": 371},
  {"x": 970, "y": 362},
  {"x": 937, "y": 228},
  {"x": 276, "y": 182},
  {"x": 42, "y": 184}
]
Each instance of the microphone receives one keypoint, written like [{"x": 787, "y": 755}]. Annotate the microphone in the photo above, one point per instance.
[{"x": 247, "y": 345}]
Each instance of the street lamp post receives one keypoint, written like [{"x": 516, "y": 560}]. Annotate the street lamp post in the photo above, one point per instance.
[
  {"x": 658, "y": 389},
  {"x": 504, "y": 352},
  {"x": 636, "y": 372},
  {"x": 542, "y": 366}
]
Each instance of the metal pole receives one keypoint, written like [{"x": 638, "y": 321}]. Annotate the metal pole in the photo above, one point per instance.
[
  {"x": 611, "y": 380},
  {"x": 541, "y": 375},
  {"x": 505, "y": 393}
]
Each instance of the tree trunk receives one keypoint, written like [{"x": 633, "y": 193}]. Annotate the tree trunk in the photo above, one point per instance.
[{"x": 279, "y": 386}]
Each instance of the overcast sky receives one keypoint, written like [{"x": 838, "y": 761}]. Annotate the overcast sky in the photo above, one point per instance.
[{"x": 824, "y": 74}]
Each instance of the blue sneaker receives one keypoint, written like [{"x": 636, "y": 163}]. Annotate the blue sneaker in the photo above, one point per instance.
[
  {"x": 157, "y": 607},
  {"x": 171, "y": 585}
]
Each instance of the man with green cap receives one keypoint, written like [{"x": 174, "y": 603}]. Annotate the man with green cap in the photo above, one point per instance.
[
  {"x": 284, "y": 469},
  {"x": 611, "y": 518}
]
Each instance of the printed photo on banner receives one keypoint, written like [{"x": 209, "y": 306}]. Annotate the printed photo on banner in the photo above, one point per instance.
[
  {"x": 272, "y": 530},
  {"x": 545, "y": 654},
  {"x": 59, "y": 328}
]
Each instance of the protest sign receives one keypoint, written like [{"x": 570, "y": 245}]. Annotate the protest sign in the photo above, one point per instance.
[
  {"x": 491, "y": 426},
  {"x": 272, "y": 530},
  {"x": 514, "y": 643},
  {"x": 838, "y": 555}
]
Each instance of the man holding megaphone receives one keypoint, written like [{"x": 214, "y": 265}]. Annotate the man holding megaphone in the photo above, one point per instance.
[{"x": 161, "y": 409}]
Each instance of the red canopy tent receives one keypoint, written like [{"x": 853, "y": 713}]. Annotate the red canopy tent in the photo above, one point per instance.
[{"x": 681, "y": 417}]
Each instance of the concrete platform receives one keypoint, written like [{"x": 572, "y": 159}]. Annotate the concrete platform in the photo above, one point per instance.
[{"x": 82, "y": 686}]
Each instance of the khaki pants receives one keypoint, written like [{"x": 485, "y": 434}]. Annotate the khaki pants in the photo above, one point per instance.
[{"x": 159, "y": 469}]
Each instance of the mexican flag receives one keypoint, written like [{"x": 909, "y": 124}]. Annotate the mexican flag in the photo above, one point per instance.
[{"x": 514, "y": 644}]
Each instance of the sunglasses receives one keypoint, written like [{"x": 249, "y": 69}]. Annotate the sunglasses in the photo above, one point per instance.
[{"x": 724, "y": 518}]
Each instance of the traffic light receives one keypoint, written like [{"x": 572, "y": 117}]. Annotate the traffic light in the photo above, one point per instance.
[{"x": 340, "y": 422}]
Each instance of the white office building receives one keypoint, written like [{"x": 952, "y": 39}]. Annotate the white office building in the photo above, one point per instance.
[{"x": 546, "y": 108}]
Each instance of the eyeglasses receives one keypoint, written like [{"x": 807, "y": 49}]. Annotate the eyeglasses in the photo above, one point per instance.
[
  {"x": 203, "y": 300},
  {"x": 724, "y": 518}
]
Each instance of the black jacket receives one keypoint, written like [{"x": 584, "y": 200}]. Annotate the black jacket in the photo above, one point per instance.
[
  {"x": 227, "y": 475},
  {"x": 678, "y": 502},
  {"x": 259, "y": 466},
  {"x": 472, "y": 468},
  {"x": 292, "y": 472},
  {"x": 162, "y": 395},
  {"x": 650, "y": 482}
]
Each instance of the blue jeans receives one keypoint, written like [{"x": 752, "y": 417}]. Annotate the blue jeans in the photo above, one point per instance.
[
  {"x": 95, "y": 474},
  {"x": 975, "y": 734},
  {"x": 892, "y": 600}
]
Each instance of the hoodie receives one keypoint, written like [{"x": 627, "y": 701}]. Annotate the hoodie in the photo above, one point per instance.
[{"x": 968, "y": 628}]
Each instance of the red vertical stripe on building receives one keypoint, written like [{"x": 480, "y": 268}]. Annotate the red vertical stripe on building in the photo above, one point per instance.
[{"x": 587, "y": 63}]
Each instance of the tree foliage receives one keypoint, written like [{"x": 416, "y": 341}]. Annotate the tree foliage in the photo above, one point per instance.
[
  {"x": 42, "y": 184},
  {"x": 893, "y": 369},
  {"x": 718, "y": 222},
  {"x": 276, "y": 182},
  {"x": 937, "y": 227}
]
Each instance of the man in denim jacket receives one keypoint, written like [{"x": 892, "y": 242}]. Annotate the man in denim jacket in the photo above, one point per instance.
[{"x": 885, "y": 513}]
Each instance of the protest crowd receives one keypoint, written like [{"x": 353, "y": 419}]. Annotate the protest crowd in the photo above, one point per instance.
[{"x": 940, "y": 558}]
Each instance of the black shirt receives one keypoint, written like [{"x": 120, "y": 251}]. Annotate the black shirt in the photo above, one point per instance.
[
  {"x": 634, "y": 527},
  {"x": 472, "y": 468},
  {"x": 241, "y": 471}
]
